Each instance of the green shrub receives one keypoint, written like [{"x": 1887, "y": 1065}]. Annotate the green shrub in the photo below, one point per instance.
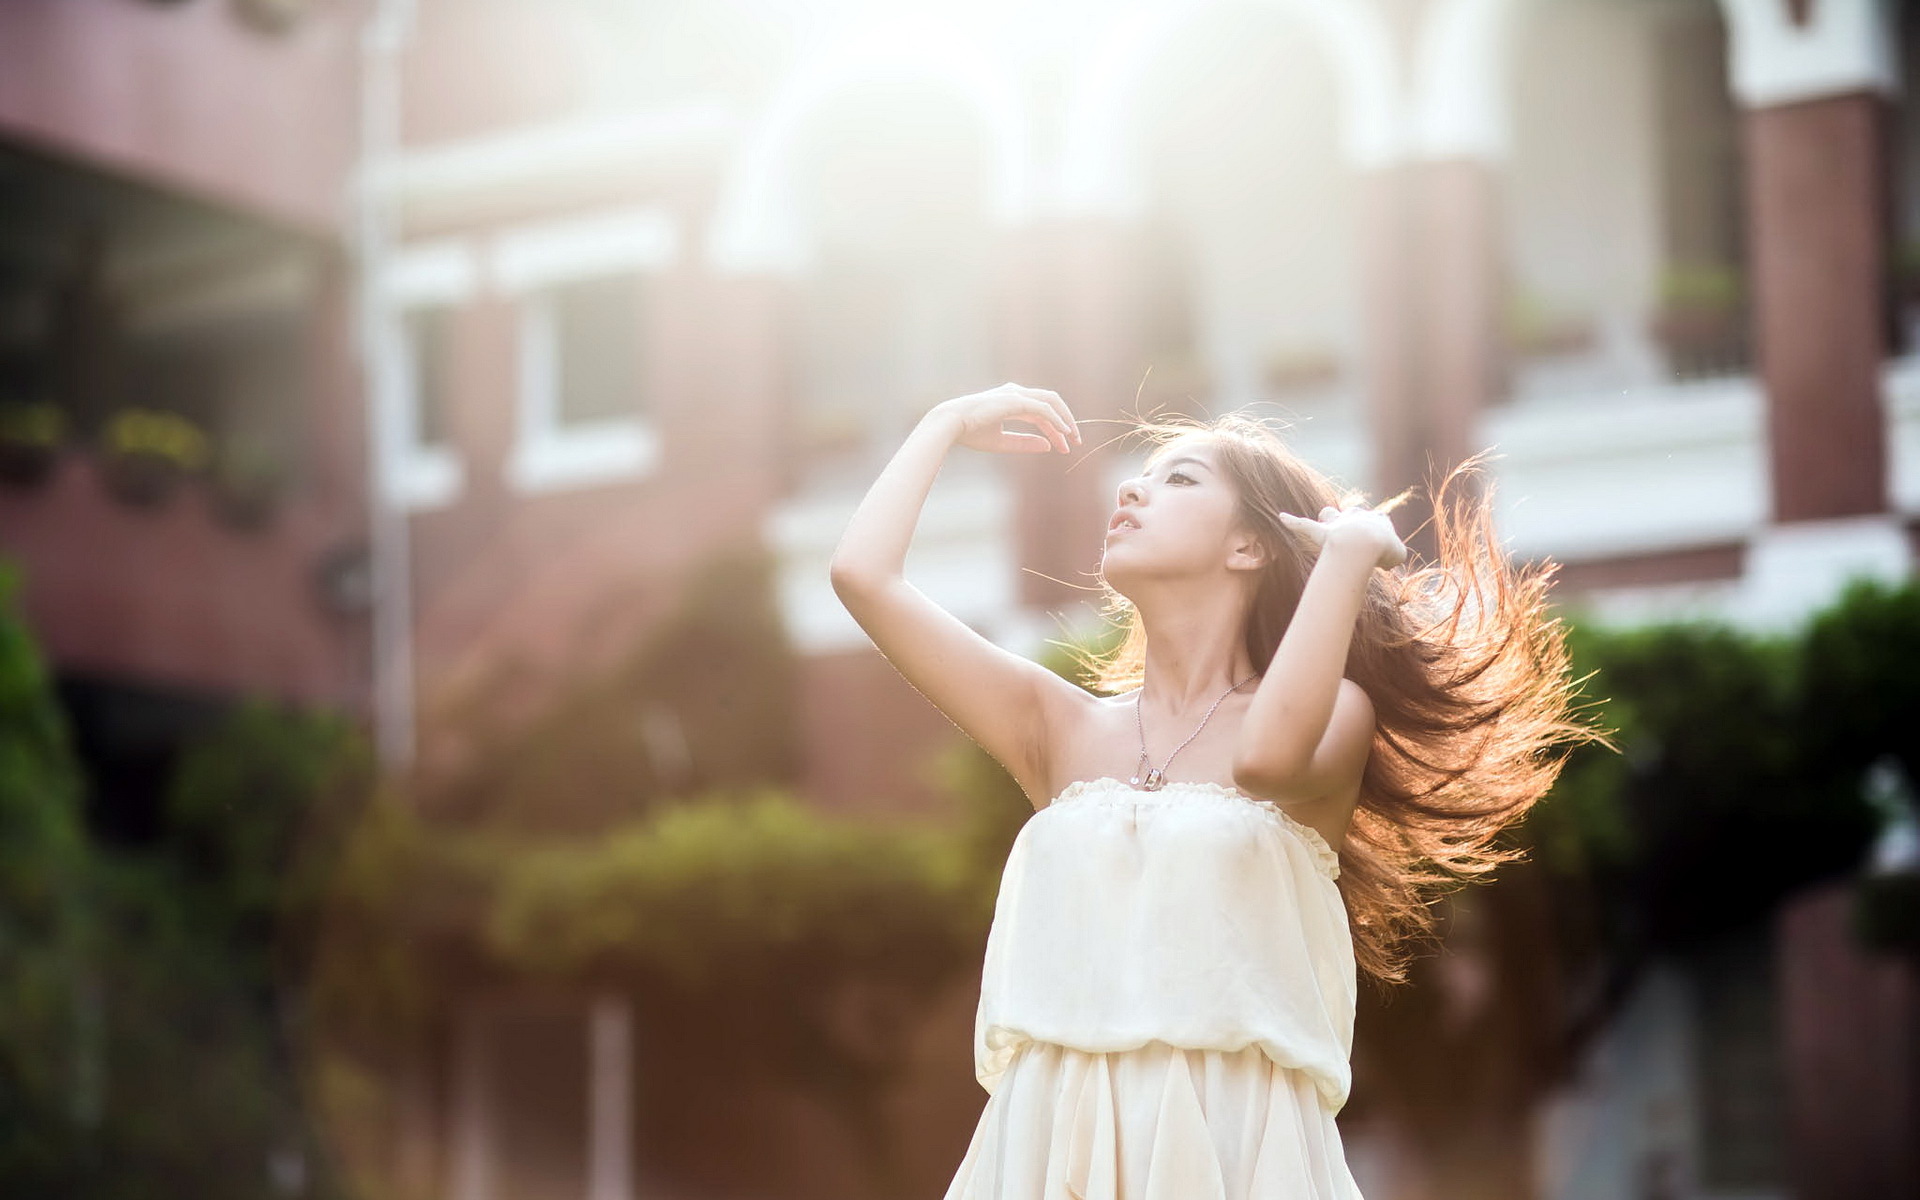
[
  {"x": 1741, "y": 764},
  {"x": 43, "y": 864}
]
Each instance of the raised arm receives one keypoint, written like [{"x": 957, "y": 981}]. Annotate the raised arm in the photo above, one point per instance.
[
  {"x": 999, "y": 699},
  {"x": 1308, "y": 731}
]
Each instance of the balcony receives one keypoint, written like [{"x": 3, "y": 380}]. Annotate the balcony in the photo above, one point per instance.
[
  {"x": 179, "y": 470},
  {"x": 215, "y": 98}
]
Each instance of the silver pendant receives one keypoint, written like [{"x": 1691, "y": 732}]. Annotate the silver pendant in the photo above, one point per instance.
[{"x": 1156, "y": 778}]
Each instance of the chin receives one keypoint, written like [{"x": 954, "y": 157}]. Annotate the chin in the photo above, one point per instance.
[{"x": 1117, "y": 573}]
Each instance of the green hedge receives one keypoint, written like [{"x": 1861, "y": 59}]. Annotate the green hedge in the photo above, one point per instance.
[
  {"x": 146, "y": 1049},
  {"x": 45, "y": 1056},
  {"x": 1741, "y": 768}
]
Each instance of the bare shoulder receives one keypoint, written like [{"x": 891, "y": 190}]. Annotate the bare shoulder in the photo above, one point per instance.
[{"x": 1073, "y": 718}]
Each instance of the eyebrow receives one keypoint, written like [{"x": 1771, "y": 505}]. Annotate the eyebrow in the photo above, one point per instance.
[{"x": 1186, "y": 458}]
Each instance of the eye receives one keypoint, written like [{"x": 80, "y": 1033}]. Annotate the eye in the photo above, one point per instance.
[{"x": 1173, "y": 475}]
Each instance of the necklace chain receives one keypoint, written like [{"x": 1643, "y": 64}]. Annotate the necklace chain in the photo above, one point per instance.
[{"x": 1154, "y": 778}]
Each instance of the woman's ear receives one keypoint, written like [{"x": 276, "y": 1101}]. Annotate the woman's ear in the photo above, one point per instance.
[{"x": 1247, "y": 552}]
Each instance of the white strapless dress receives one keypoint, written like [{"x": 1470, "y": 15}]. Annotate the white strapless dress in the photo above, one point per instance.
[{"x": 1166, "y": 1006}]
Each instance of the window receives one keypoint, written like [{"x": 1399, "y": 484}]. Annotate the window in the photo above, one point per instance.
[
  {"x": 584, "y": 365},
  {"x": 430, "y": 470},
  {"x": 426, "y": 284},
  {"x": 597, "y": 344},
  {"x": 581, "y": 385},
  {"x": 426, "y": 334}
]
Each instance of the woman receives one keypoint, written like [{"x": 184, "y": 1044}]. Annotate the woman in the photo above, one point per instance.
[{"x": 1296, "y": 744}]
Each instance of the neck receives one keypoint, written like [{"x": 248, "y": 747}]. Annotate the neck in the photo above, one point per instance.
[{"x": 1196, "y": 648}]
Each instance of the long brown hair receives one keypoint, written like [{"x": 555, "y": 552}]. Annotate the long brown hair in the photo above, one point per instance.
[{"x": 1464, "y": 664}]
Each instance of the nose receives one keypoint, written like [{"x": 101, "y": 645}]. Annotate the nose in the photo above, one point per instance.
[{"x": 1131, "y": 491}]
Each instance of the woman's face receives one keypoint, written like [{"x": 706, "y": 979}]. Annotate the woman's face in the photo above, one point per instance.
[{"x": 1178, "y": 518}]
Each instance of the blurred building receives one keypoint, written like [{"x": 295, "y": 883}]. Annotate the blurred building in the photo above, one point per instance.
[
  {"x": 175, "y": 283},
  {"x": 502, "y": 315}
]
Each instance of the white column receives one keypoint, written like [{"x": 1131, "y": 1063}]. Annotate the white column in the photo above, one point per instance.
[
  {"x": 1844, "y": 46},
  {"x": 610, "y": 1098},
  {"x": 1462, "y": 73},
  {"x": 470, "y": 1172}
]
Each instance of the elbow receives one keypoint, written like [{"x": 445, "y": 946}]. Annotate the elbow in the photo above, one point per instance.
[
  {"x": 844, "y": 577},
  {"x": 1265, "y": 775},
  {"x": 849, "y": 579}
]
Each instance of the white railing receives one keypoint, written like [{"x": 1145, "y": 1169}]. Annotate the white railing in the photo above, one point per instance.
[{"x": 1605, "y": 475}]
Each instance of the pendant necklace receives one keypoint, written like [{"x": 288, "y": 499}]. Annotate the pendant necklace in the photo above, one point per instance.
[{"x": 1156, "y": 777}]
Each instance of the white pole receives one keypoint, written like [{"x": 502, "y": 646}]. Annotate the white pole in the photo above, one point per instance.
[
  {"x": 470, "y": 1166},
  {"x": 610, "y": 1098},
  {"x": 382, "y": 39}
]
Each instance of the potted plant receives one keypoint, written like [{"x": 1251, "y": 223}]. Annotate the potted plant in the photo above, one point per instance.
[
  {"x": 1301, "y": 368},
  {"x": 145, "y": 453},
  {"x": 271, "y": 16},
  {"x": 1700, "y": 323},
  {"x": 248, "y": 479},
  {"x": 1536, "y": 331},
  {"x": 32, "y": 434}
]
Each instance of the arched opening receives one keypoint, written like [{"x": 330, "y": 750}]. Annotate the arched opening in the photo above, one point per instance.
[
  {"x": 1626, "y": 230},
  {"x": 889, "y": 185},
  {"x": 1250, "y": 210}
]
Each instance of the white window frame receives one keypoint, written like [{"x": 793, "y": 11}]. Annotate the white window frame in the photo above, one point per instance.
[
  {"x": 549, "y": 455},
  {"x": 441, "y": 274}
]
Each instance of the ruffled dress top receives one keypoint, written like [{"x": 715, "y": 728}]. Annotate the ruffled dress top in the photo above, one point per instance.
[{"x": 1166, "y": 1005}]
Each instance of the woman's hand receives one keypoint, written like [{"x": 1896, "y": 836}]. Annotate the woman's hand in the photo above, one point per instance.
[
  {"x": 978, "y": 419},
  {"x": 1359, "y": 526}
]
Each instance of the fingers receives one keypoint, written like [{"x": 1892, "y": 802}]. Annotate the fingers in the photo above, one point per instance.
[
  {"x": 1313, "y": 531},
  {"x": 1042, "y": 408},
  {"x": 1056, "y": 408},
  {"x": 1359, "y": 522},
  {"x": 1023, "y": 443},
  {"x": 1053, "y": 400},
  {"x": 1056, "y": 427}
]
